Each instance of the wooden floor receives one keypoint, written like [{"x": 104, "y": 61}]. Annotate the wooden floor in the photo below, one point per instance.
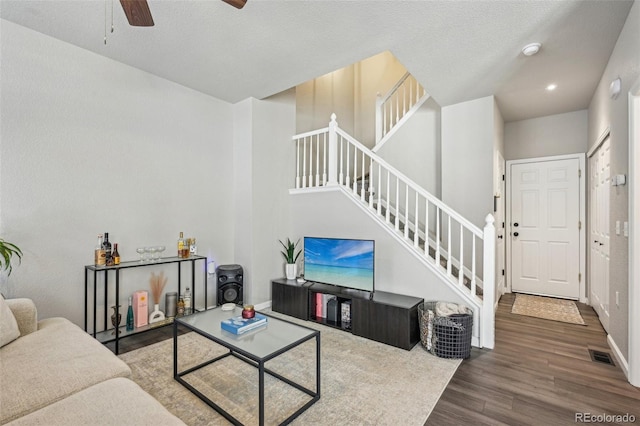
[{"x": 539, "y": 373}]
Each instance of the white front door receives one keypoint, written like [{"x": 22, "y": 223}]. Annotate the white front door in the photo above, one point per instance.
[
  {"x": 545, "y": 228},
  {"x": 600, "y": 181}
]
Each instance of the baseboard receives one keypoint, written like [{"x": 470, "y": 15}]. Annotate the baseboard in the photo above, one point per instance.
[
  {"x": 263, "y": 305},
  {"x": 624, "y": 365}
]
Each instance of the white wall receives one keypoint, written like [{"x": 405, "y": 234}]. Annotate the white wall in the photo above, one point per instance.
[
  {"x": 264, "y": 157},
  {"x": 90, "y": 145},
  {"x": 558, "y": 134},
  {"x": 468, "y": 137},
  {"x": 604, "y": 113}
]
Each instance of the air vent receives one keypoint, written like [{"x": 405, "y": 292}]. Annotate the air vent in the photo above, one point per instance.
[{"x": 599, "y": 356}]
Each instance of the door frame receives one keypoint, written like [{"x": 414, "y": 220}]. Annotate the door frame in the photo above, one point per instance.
[
  {"x": 582, "y": 207},
  {"x": 500, "y": 206},
  {"x": 634, "y": 235}
]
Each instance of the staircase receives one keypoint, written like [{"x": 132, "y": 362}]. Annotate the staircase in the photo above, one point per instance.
[
  {"x": 458, "y": 252},
  {"x": 397, "y": 106}
]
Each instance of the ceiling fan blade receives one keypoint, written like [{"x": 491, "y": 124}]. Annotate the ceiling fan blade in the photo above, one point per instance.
[
  {"x": 239, "y": 4},
  {"x": 138, "y": 13}
]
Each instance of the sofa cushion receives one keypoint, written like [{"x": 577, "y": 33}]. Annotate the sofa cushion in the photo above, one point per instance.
[
  {"x": 26, "y": 314},
  {"x": 9, "y": 330},
  {"x": 52, "y": 363},
  {"x": 113, "y": 402}
]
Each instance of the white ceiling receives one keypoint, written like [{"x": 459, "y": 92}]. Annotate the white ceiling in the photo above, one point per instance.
[{"x": 458, "y": 50}]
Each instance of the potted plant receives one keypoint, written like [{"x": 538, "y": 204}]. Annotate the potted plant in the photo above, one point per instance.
[
  {"x": 7, "y": 252},
  {"x": 291, "y": 257}
]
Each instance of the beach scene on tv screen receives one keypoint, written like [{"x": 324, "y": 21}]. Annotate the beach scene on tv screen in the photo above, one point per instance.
[{"x": 347, "y": 263}]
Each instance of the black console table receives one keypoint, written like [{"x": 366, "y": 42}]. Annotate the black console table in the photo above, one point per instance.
[
  {"x": 107, "y": 334},
  {"x": 381, "y": 316}
]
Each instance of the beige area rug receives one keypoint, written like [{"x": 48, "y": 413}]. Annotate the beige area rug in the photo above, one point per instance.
[
  {"x": 547, "y": 308},
  {"x": 362, "y": 382}
]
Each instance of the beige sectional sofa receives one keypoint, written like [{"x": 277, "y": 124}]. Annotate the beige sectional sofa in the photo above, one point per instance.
[{"x": 53, "y": 373}]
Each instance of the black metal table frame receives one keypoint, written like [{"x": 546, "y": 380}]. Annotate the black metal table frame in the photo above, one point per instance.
[
  {"x": 251, "y": 360},
  {"x": 126, "y": 265}
]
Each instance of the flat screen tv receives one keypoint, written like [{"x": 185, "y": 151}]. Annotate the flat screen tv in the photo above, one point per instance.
[{"x": 342, "y": 262}]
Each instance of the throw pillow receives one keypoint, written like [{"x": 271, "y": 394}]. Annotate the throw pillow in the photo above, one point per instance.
[{"x": 9, "y": 330}]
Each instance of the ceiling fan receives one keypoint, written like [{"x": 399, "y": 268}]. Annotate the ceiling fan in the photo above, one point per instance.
[{"x": 139, "y": 15}]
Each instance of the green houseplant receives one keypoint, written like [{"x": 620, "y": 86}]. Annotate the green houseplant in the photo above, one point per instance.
[
  {"x": 7, "y": 252},
  {"x": 291, "y": 257}
]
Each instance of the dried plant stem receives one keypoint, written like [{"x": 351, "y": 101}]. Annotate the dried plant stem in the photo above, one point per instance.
[{"x": 157, "y": 283}]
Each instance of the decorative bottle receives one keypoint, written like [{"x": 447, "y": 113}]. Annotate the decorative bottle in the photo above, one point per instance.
[
  {"x": 130, "y": 316},
  {"x": 115, "y": 255},
  {"x": 157, "y": 315},
  {"x": 106, "y": 245},
  {"x": 99, "y": 255},
  {"x": 180, "y": 310},
  {"x": 193, "y": 248},
  {"x": 187, "y": 301},
  {"x": 181, "y": 245}
]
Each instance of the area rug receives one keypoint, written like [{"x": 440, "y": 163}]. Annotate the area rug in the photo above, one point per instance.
[
  {"x": 362, "y": 382},
  {"x": 547, "y": 308}
]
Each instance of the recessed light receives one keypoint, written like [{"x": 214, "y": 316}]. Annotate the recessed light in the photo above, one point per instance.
[
  {"x": 551, "y": 87},
  {"x": 531, "y": 49}
]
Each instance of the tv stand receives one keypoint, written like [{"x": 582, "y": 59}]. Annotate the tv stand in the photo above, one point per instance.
[{"x": 381, "y": 316}]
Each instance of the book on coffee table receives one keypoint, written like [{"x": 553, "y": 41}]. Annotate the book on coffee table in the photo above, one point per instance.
[{"x": 239, "y": 325}]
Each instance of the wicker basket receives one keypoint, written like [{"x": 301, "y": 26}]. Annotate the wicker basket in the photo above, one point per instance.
[{"x": 445, "y": 336}]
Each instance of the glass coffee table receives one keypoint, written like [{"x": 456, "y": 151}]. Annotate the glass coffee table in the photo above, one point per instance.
[{"x": 265, "y": 343}]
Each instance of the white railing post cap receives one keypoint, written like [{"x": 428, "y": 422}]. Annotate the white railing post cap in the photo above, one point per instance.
[{"x": 489, "y": 219}]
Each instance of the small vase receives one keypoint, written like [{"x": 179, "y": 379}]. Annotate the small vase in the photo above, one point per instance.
[
  {"x": 291, "y": 270},
  {"x": 157, "y": 315}
]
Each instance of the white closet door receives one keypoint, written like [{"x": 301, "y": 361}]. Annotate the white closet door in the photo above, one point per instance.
[{"x": 599, "y": 187}]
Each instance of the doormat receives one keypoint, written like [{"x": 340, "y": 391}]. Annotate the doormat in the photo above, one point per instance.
[{"x": 547, "y": 308}]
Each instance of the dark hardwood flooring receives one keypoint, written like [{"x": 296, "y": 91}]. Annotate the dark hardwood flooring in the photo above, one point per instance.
[
  {"x": 147, "y": 338},
  {"x": 539, "y": 373}
]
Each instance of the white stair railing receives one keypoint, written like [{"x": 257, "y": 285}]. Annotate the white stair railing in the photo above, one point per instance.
[
  {"x": 392, "y": 107},
  {"x": 462, "y": 253}
]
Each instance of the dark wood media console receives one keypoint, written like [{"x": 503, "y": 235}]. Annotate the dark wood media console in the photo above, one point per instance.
[{"x": 384, "y": 317}]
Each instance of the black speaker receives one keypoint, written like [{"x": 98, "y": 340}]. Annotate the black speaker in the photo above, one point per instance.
[{"x": 230, "y": 281}]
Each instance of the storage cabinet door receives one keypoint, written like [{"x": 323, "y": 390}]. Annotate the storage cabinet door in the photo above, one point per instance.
[
  {"x": 289, "y": 300},
  {"x": 383, "y": 323}
]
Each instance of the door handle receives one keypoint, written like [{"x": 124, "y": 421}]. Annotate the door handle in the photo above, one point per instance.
[
  {"x": 515, "y": 234},
  {"x": 500, "y": 236},
  {"x": 601, "y": 244},
  {"x": 515, "y": 224}
]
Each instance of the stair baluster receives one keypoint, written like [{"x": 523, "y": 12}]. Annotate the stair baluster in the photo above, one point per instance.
[{"x": 476, "y": 287}]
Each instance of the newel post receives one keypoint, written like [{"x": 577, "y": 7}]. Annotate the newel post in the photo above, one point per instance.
[
  {"x": 379, "y": 118},
  {"x": 489, "y": 284},
  {"x": 333, "y": 151}
]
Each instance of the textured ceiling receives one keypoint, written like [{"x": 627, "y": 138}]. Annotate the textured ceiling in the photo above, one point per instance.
[{"x": 458, "y": 50}]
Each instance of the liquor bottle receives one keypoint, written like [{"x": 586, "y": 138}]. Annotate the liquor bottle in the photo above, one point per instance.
[
  {"x": 187, "y": 301},
  {"x": 129, "y": 316},
  {"x": 115, "y": 255},
  {"x": 181, "y": 245},
  {"x": 106, "y": 245},
  {"x": 180, "y": 311},
  {"x": 193, "y": 248},
  {"x": 99, "y": 255},
  {"x": 187, "y": 244}
]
